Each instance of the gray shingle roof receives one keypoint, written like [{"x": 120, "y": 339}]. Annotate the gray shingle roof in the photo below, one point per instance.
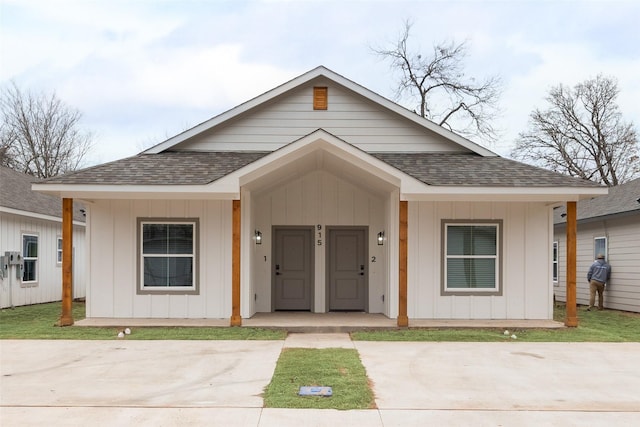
[
  {"x": 201, "y": 168},
  {"x": 15, "y": 191},
  {"x": 166, "y": 168},
  {"x": 474, "y": 170},
  {"x": 622, "y": 199}
]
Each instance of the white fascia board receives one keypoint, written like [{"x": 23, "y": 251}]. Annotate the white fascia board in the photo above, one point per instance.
[
  {"x": 148, "y": 192},
  {"x": 305, "y": 78},
  {"x": 37, "y": 215},
  {"x": 502, "y": 194}
]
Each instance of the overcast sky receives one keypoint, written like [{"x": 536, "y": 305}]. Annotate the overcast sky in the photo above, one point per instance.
[{"x": 141, "y": 71}]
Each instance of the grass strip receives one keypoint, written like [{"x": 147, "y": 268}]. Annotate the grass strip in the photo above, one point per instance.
[
  {"x": 594, "y": 326},
  {"x": 338, "y": 368},
  {"x": 37, "y": 322}
]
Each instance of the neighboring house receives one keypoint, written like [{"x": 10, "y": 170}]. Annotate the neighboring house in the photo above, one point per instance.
[
  {"x": 609, "y": 225},
  {"x": 319, "y": 196},
  {"x": 30, "y": 226}
]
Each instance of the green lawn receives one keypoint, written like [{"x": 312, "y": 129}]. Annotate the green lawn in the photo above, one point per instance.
[
  {"x": 594, "y": 326},
  {"x": 37, "y": 322},
  {"x": 338, "y": 368}
]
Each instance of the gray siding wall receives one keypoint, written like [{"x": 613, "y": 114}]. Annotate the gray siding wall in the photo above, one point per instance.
[
  {"x": 48, "y": 287},
  {"x": 526, "y": 270},
  {"x": 319, "y": 198},
  {"x": 623, "y": 240},
  {"x": 113, "y": 264},
  {"x": 349, "y": 116}
]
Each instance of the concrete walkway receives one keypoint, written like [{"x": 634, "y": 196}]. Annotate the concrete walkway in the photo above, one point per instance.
[{"x": 219, "y": 383}]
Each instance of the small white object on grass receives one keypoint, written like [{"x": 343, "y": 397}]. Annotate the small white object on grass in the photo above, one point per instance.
[
  {"x": 506, "y": 332},
  {"x": 120, "y": 334},
  {"x": 127, "y": 331},
  {"x": 514, "y": 336}
]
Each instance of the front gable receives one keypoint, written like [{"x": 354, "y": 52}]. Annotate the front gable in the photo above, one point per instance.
[
  {"x": 355, "y": 114},
  {"x": 348, "y": 116}
]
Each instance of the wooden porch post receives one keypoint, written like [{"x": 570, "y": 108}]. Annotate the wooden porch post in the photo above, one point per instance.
[
  {"x": 571, "y": 314},
  {"x": 66, "y": 318},
  {"x": 236, "y": 319},
  {"x": 403, "y": 320}
]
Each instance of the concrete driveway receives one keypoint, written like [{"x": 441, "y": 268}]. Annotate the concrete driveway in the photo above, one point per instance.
[
  {"x": 136, "y": 373},
  {"x": 505, "y": 376},
  {"x": 173, "y": 383}
]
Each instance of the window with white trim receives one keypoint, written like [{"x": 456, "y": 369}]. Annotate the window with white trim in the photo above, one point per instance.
[
  {"x": 555, "y": 262},
  {"x": 59, "y": 250},
  {"x": 471, "y": 259},
  {"x": 30, "y": 258},
  {"x": 168, "y": 255},
  {"x": 599, "y": 247}
]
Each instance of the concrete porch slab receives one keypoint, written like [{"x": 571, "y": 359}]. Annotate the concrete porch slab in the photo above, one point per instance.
[
  {"x": 334, "y": 322},
  {"x": 123, "y": 322}
]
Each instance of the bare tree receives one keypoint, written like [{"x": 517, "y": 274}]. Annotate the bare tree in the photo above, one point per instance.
[
  {"x": 444, "y": 93},
  {"x": 39, "y": 134},
  {"x": 582, "y": 134}
]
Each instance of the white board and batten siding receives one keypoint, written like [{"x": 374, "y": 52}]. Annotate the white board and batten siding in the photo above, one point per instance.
[
  {"x": 318, "y": 198},
  {"x": 349, "y": 116},
  {"x": 526, "y": 267},
  {"x": 48, "y": 287},
  {"x": 623, "y": 253},
  {"x": 113, "y": 263}
]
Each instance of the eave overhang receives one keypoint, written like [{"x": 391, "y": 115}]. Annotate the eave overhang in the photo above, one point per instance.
[{"x": 35, "y": 215}]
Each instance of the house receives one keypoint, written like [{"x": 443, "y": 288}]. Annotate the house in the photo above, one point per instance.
[
  {"x": 319, "y": 195},
  {"x": 30, "y": 230},
  {"x": 609, "y": 225}
]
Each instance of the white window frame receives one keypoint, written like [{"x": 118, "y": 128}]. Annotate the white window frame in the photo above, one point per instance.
[
  {"x": 497, "y": 289},
  {"x": 185, "y": 290},
  {"x": 606, "y": 246},
  {"x": 59, "y": 250},
  {"x": 555, "y": 266},
  {"x": 34, "y": 259}
]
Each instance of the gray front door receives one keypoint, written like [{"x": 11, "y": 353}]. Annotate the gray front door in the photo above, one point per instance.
[
  {"x": 292, "y": 268},
  {"x": 347, "y": 268}
]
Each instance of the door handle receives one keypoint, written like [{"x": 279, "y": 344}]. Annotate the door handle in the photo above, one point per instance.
[{"x": 362, "y": 269}]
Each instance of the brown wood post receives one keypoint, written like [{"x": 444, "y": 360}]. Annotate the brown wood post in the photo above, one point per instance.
[
  {"x": 571, "y": 319},
  {"x": 236, "y": 319},
  {"x": 66, "y": 318},
  {"x": 403, "y": 320}
]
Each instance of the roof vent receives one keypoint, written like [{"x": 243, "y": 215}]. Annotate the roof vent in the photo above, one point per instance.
[{"x": 320, "y": 98}]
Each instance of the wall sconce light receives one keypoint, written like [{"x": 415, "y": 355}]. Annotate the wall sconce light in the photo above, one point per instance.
[
  {"x": 258, "y": 235},
  {"x": 381, "y": 238}
]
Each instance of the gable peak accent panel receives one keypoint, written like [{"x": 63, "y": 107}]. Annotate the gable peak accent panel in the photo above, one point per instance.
[{"x": 320, "y": 98}]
